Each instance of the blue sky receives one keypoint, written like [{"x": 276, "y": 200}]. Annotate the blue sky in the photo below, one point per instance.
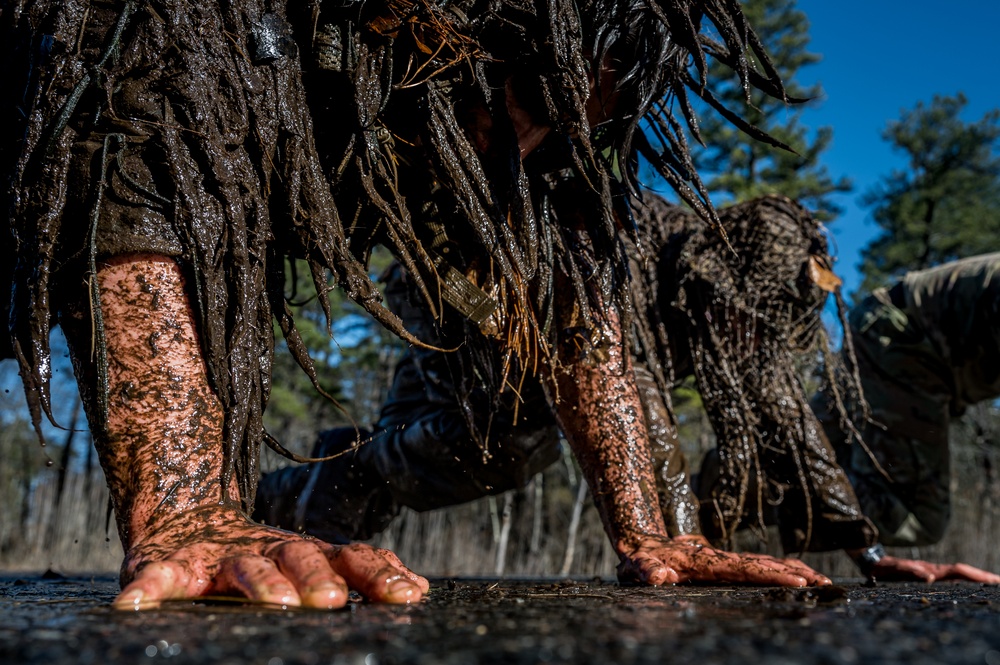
[{"x": 880, "y": 57}]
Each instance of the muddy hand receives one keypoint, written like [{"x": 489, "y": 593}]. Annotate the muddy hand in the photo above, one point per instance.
[
  {"x": 891, "y": 568},
  {"x": 217, "y": 552},
  {"x": 692, "y": 559},
  {"x": 162, "y": 450},
  {"x": 602, "y": 417}
]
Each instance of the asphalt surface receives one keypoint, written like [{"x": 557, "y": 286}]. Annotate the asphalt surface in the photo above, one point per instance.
[{"x": 64, "y": 620}]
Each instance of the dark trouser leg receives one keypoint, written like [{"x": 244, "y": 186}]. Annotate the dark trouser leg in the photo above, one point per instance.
[
  {"x": 908, "y": 388},
  {"x": 428, "y": 458},
  {"x": 422, "y": 454},
  {"x": 906, "y": 514}
]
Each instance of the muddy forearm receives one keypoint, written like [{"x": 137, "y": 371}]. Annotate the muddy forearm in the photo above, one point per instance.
[
  {"x": 160, "y": 443},
  {"x": 601, "y": 415}
]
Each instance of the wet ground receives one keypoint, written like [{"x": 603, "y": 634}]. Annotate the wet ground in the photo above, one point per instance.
[{"x": 482, "y": 621}]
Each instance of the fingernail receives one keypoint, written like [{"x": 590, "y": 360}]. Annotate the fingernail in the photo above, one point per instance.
[
  {"x": 331, "y": 598},
  {"x": 132, "y": 602},
  {"x": 658, "y": 576},
  {"x": 401, "y": 589}
]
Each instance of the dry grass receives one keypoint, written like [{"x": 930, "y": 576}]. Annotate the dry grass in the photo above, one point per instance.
[
  {"x": 459, "y": 541},
  {"x": 71, "y": 535}
]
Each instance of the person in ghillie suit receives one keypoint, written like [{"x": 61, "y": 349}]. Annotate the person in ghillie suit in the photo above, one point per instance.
[
  {"x": 746, "y": 312},
  {"x": 744, "y": 324},
  {"x": 927, "y": 348},
  {"x": 161, "y": 165}
]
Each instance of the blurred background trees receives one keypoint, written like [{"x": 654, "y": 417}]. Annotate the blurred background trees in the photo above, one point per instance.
[
  {"x": 946, "y": 203},
  {"x": 736, "y": 169}
]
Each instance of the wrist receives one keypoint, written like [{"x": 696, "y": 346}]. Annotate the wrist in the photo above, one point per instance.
[
  {"x": 867, "y": 559},
  {"x": 627, "y": 543}
]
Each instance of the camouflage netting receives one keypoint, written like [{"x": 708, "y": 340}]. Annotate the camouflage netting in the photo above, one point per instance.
[
  {"x": 744, "y": 318},
  {"x": 217, "y": 89},
  {"x": 435, "y": 70}
]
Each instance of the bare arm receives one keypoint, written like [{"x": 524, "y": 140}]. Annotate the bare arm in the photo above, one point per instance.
[
  {"x": 161, "y": 449},
  {"x": 601, "y": 415}
]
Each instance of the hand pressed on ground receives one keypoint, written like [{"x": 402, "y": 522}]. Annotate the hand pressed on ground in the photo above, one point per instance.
[
  {"x": 216, "y": 551},
  {"x": 161, "y": 447},
  {"x": 894, "y": 569},
  {"x": 602, "y": 417},
  {"x": 691, "y": 559}
]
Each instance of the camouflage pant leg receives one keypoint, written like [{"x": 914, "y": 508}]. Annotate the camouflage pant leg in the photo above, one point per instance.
[
  {"x": 906, "y": 514},
  {"x": 906, "y": 386},
  {"x": 424, "y": 452}
]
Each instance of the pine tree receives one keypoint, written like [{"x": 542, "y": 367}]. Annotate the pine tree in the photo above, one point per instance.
[
  {"x": 946, "y": 204},
  {"x": 740, "y": 168}
]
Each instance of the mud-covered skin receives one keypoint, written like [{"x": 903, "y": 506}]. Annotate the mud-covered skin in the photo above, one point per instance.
[
  {"x": 161, "y": 452},
  {"x": 692, "y": 559},
  {"x": 602, "y": 417},
  {"x": 895, "y": 569}
]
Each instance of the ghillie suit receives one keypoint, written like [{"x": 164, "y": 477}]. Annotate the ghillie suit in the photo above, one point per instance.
[
  {"x": 175, "y": 128},
  {"x": 430, "y": 165},
  {"x": 743, "y": 318},
  {"x": 421, "y": 455},
  {"x": 181, "y": 128}
]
